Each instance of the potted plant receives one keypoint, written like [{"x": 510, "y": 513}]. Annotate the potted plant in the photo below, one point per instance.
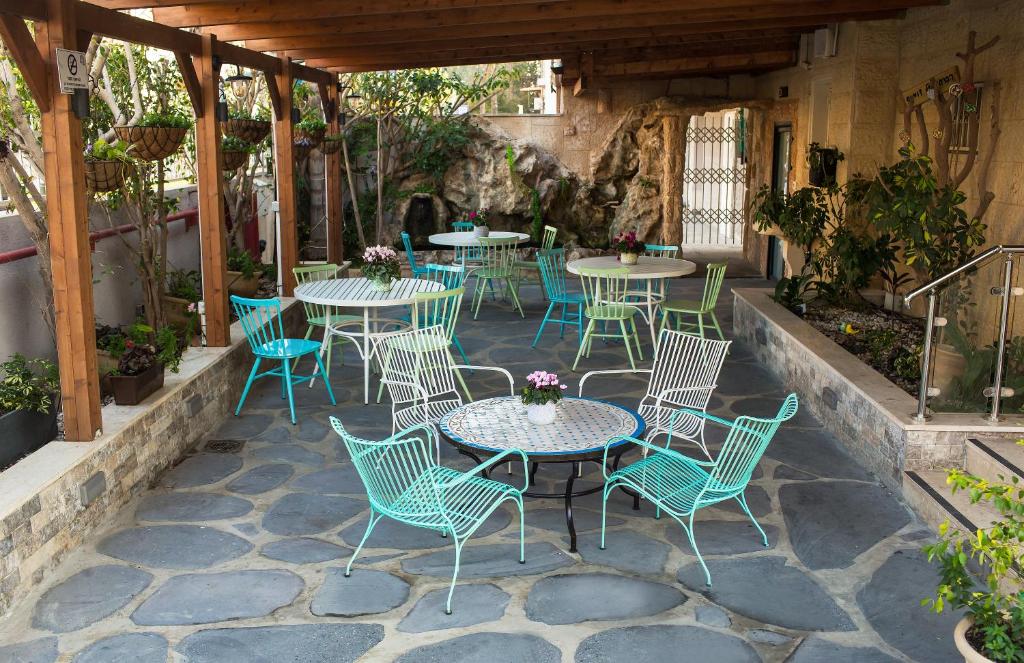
[
  {"x": 479, "y": 221},
  {"x": 381, "y": 267},
  {"x": 332, "y": 143},
  {"x": 993, "y": 628},
  {"x": 140, "y": 368},
  {"x": 235, "y": 152},
  {"x": 540, "y": 396},
  {"x": 243, "y": 279},
  {"x": 311, "y": 130},
  {"x": 107, "y": 166},
  {"x": 109, "y": 347},
  {"x": 629, "y": 247},
  {"x": 184, "y": 290},
  {"x": 252, "y": 129},
  {"x": 301, "y": 148},
  {"x": 157, "y": 135},
  {"x": 28, "y": 406}
]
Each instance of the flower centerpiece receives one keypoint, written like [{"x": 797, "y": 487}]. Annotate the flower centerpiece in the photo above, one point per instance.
[
  {"x": 381, "y": 267},
  {"x": 629, "y": 247},
  {"x": 479, "y": 221},
  {"x": 540, "y": 395}
]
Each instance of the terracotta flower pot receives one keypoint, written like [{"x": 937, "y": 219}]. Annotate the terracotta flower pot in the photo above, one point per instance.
[
  {"x": 242, "y": 286},
  {"x": 133, "y": 389},
  {"x": 24, "y": 431},
  {"x": 970, "y": 654},
  {"x": 152, "y": 143},
  {"x": 251, "y": 131},
  {"x": 234, "y": 159},
  {"x": 103, "y": 176}
]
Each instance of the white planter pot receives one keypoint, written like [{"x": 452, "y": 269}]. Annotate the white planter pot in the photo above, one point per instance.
[
  {"x": 382, "y": 286},
  {"x": 628, "y": 258},
  {"x": 542, "y": 415},
  {"x": 969, "y": 653},
  {"x": 481, "y": 231}
]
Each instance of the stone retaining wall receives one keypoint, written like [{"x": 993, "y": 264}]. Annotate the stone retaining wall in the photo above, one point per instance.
[{"x": 53, "y": 499}]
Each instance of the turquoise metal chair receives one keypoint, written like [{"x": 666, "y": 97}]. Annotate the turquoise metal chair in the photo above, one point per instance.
[
  {"x": 451, "y": 277},
  {"x": 553, "y": 276},
  {"x": 463, "y": 255},
  {"x": 405, "y": 483},
  {"x": 261, "y": 321},
  {"x": 680, "y": 486},
  {"x": 417, "y": 270},
  {"x": 641, "y": 287}
]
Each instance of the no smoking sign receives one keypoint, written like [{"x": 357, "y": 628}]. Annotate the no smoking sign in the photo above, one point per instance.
[{"x": 71, "y": 71}]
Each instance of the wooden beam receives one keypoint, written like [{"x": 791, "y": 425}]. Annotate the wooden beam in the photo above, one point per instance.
[
  {"x": 191, "y": 81},
  {"x": 22, "y": 46},
  {"x": 70, "y": 251},
  {"x": 33, "y": 10},
  {"x": 210, "y": 181},
  {"x": 310, "y": 75},
  {"x": 284, "y": 169},
  {"x": 586, "y": 64},
  {"x": 129, "y": 28},
  {"x": 244, "y": 57},
  {"x": 714, "y": 63},
  {"x": 332, "y": 168},
  {"x": 273, "y": 93}
]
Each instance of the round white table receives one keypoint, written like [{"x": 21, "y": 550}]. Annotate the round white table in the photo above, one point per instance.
[
  {"x": 647, "y": 267},
  {"x": 360, "y": 293},
  {"x": 579, "y": 434},
  {"x": 468, "y": 238}
]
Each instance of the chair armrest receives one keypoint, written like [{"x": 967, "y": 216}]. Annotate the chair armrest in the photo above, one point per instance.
[
  {"x": 468, "y": 474},
  {"x": 415, "y": 387},
  {"x": 709, "y": 417},
  {"x": 610, "y": 372},
  {"x": 653, "y": 448},
  {"x": 665, "y": 393},
  {"x": 511, "y": 382}
]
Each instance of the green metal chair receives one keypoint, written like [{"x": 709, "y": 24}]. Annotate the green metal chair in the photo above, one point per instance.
[
  {"x": 547, "y": 242},
  {"x": 553, "y": 276},
  {"x": 603, "y": 292},
  {"x": 417, "y": 270},
  {"x": 706, "y": 306},
  {"x": 405, "y": 483},
  {"x": 261, "y": 321},
  {"x": 316, "y": 314},
  {"x": 680, "y": 486},
  {"x": 499, "y": 255}
]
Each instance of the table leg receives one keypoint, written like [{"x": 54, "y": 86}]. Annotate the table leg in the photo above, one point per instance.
[
  {"x": 568, "y": 506},
  {"x": 650, "y": 312},
  {"x": 533, "y": 473},
  {"x": 366, "y": 355},
  {"x": 324, "y": 343}
]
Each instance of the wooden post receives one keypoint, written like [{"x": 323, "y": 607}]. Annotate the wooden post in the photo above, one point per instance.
[
  {"x": 332, "y": 168},
  {"x": 68, "y": 216},
  {"x": 210, "y": 164},
  {"x": 284, "y": 168},
  {"x": 673, "y": 161}
]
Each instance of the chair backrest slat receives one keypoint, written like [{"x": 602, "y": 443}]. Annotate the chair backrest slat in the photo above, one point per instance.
[
  {"x": 605, "y": 288},
  {"x": 685, "y": 361},
  {"x": 409, "y": 253},
  {"x": 438, "y": 308},
  {"x": 498, "y": 253},
  {"x": 713, "y": 285},
  {"x": 552, "y": 272},
  {"x": 261, "y": 321},
  {"x": 548, "y": 240},
  {"x": 415, "y": 357},
  {"x": 309, "y": 274},
  {"x": 450, "y": 276},
  {"x": 661, "y": 251}
]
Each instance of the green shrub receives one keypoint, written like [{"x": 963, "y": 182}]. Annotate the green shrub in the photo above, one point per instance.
[
  {"x": 169, "y": 119},
  {"x": 28, "y": 384}
]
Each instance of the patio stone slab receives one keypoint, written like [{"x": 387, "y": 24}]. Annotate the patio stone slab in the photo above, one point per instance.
[
  {"x": 868, "y": 514},
  {"x": 393, "y": 534},
  {"x": 765, "y": 637},
  {"x": 471, "y": 605},
  {"x": 275, "y": 435},
  {"x": 134, "y": 647},
  {"x": 87, "y": 597},
  {"x": 817, "y": 452},
  {"x": 201, "y": 470},
  {"x": 625, "y": 550},
  {"x": 261, "y": 478},
  {"x": 486, "y": 648},
  {"x": 333, "y": 481},
  {"x": 204, "y": 598},
  {"x": 553, "y": 520},
  {"x": 490, "y": 561},
  {"x": 722, "y": 537},
  {"x": 291, "y": 453},
  {"x": 746, "y": 380},
  {"x": 365, "y": 592},
  {"x": 757, "y": 500},
  {"x": 814, "y": 650},
  {"x": 312, "y": 430},
  {"x": 42, "y": 650},
  {"x": 184, "y": 547},
  {"x": 301, "y": 513},
  {"x": 304, "y": 551},
  {"x": 904, "y": 579},
  {"x": 244, "y": 427},
  {"x": 742, "y": 585},
  {"x": 787, "y": 473},
  {"x": 711, "y": 615},
  {"x": 663, "y": 643},
  {"x": 191, "y": 507},
  {"x": 309, "y": 643},
  {"x": 576, "y": 598}
]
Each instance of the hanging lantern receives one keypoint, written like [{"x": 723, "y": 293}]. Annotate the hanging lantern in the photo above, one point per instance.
[{"x": 240, "y": 83}]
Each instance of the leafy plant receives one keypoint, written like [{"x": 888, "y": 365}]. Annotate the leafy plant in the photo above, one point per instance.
[
  {"x": 236, "y": 144},
  {"x": 138, "y": 347},
  {"x": 479, "y": 217},
  {"x": 101, "y": 150},
  {"x": 542, "y": 387},
  {"x": 792, "y": 291},
  {"x": 627, "y": 243},
  {"x": 537, "y": 225},
  {"x": 28, "y": 384},
  {"x": 996, "y": 607},
  {"x": 311, "y": 126},
  {"x": 167, "y": 119},
  {"x": 185, "y": 284},
  {"x": 240, "y": 260},
  {"x": 258, "y": 113}
]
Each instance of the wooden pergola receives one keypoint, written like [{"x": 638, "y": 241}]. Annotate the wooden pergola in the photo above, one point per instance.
[{"x": 597, "y": 41}]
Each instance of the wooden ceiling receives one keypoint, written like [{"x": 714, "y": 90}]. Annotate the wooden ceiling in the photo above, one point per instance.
[{"x": 594, "y": 38}]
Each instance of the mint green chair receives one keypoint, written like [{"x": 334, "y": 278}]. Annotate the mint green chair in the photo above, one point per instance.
[
  {"x": 451, "y": 277},
  {"x": 524, "y": 266},
  {"x": 405, "y": 483},
  {"x": 499, "y": 255},
  {"x": 553, "y": 276},
  {"x": 604, "y": 293},
  {"x": 316, "y": 314},
  {"x": 417, "y": 270},
  {"x": 680, "y": 486},
  {"x": 261, "y": 321},
  {"x": 694, "y": 309}
]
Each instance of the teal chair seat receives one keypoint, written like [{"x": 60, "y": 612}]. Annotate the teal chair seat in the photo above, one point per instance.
[
  {"x": 287, "y": 348},
  {"x": 462, "y": 500},
  {"x": 551, "y": 263},
  {"x": 681, "y": 481}
]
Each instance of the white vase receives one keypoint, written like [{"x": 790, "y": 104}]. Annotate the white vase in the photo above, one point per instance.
[
  {"x": 381, "y": 285},
  {"x": 542, "y": 415},
  {"x": 481, "y": 231},
  {"x": 628, "y": 258},
  {"x": 970, "y": 654}
]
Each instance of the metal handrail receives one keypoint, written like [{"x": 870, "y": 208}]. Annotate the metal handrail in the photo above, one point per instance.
[{"x": 976, "y": 261}]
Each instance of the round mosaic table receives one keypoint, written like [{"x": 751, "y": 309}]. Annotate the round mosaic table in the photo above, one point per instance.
[{"x": 583, "y": 427}]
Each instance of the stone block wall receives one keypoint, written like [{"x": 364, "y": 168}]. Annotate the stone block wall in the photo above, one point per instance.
[{"x": 53, "y": 499}]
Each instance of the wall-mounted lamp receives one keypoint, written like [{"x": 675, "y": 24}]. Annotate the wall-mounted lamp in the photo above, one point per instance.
[
  {"x": 80, "y": 104},
  {"x": 557, "y": 67},
  {"x": 240, "y": 83},
  {"x": 296, "y": 116}
]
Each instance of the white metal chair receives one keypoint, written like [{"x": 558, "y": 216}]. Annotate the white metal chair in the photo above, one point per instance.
[
  {"x": 684, "y": 375},
  {"x": 420, "y": 375}
]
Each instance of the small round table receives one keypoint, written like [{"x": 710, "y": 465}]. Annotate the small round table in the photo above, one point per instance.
[
  {"x": 467, "y": 238},
  {"x": 647, "y": 267},
  {"x": 360, "y": 293},
  {"x": 583, "y": 427}
]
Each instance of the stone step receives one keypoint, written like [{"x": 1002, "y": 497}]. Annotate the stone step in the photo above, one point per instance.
[
  {"x": 991, "y": 458},
  {"x": 933, "y": 500}
]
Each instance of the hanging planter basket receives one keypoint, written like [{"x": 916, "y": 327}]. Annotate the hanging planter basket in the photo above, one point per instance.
[
  {"x": 330, "y": 146},
  {"x": 104, "y": 176},
  {"x": 152, "y": 143},
  {"x": 301, "y": 149},
  {"x": 235, "y": 159},
  {"x": 314, "y": 137},
  {"x": 251, "y": 131}
]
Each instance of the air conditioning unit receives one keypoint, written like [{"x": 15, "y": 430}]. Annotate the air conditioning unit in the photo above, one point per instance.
[{"x": 825, "y": 41}]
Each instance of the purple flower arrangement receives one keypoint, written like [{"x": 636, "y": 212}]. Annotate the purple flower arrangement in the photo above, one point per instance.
[
  {"x": 628, "y": 243},
  {"x": 542, "y": 387},
  {"x": 380, "y": 263}
]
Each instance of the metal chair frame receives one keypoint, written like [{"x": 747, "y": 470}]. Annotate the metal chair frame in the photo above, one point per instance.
[
  {"x": 706, "y": 306},
  {"x": 551, "y": 263},
  {"x": 316, "y": 314},
  {"x": 417, "y": 270},
  {"x": 499, "y": 256},
  {"x": 603, "y": 292}
]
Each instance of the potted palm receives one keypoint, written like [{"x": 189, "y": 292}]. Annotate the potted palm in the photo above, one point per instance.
[
  {"x": 993, "y": 627},
  {"x": 157, "y": 135},
  {"x": 28, "y": 406},
  {"x": 629, "y": 247},
  {"x": 540, "y": 396}
]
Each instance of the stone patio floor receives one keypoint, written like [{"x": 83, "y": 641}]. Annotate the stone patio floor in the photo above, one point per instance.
[{"x": 237, "y": 553}]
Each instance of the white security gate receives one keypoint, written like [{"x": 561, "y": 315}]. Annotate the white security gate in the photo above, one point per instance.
[{"x": 714, "y": 181}]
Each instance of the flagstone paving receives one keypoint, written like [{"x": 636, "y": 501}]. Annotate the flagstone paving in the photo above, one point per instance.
[{"x": 238, "y": 553}]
